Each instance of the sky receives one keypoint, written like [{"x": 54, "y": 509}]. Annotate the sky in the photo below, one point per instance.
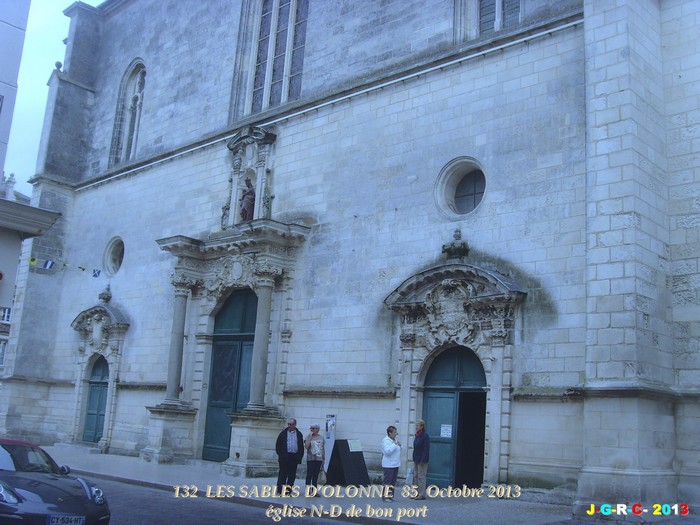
[{"x": 43, "y": 47}]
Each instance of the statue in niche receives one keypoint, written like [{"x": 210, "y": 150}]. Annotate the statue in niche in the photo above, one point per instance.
[{"x": 247, "y": 201}]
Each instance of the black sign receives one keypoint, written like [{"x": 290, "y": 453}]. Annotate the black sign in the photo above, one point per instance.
[{"x": 346, "y": 467}]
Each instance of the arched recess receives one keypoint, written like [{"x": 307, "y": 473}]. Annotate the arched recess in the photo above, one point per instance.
[
  {"x": 102, "y": 329},
  {"x": 475, "y": 309}
]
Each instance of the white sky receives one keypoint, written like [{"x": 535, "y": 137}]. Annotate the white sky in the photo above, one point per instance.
[{"x": 43, "y": 47}]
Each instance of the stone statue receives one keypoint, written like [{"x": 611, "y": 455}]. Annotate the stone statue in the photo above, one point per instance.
[{"x": 247, "y": 201}]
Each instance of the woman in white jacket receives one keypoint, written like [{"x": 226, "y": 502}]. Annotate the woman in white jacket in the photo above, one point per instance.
[{"x": 391, "y": 458}]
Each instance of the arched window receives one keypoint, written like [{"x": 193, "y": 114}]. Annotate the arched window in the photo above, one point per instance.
[{"x": 128, "y": 115}]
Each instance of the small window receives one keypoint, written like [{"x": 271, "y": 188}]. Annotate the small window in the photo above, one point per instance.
[
  {"x": 3, "y": 349},
  {"x": 460, "y": 187},
  {"x": 114, "y": 256}
]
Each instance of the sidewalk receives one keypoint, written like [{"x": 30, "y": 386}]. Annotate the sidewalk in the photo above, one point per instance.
[{"x": 366, "y": 509}]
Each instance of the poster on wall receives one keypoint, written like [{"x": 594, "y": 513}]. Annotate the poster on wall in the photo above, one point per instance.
[{"x": 329, "y": 438}]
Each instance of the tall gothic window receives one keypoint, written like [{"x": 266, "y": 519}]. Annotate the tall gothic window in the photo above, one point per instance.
[
  {"x": 495, "y": 15},
  {"x": 280, "y": 53},
  {"x": 128, "y": 114},
  {"x": 476, "y": 18}
]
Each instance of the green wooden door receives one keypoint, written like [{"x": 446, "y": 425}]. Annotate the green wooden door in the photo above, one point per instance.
[
  {"x": 97, "y": 401},
  {"x": 439, "y": 414},
  {"x": 454, "y": 409},
  {"x": 229, "y": 381}
]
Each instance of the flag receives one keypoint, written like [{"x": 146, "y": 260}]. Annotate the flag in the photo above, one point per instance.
[
  {"x": 82, "y": 268},
  {"x": 96, "y": 273},
  {"x": 48, "y": 265},
  {"x": 33, "y": 261}
]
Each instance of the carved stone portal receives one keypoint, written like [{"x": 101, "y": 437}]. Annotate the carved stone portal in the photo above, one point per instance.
[
  {"x": 102, "y": 330},
  {"x": 457, "y": 304}
]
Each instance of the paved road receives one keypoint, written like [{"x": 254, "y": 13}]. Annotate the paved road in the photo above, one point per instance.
[{"x": 137, "y": 505}]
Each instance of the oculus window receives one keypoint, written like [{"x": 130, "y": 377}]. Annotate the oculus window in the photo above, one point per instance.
[
  {"x": 114, "y": 256},
  {"x": 460, "y": 187}
]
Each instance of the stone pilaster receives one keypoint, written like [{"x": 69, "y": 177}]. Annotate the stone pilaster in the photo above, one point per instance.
[
  {"x": 629, "y": 426},
  {"x": 182, "y": 286},
  {"x": 171, "y": 430},
  {"x": 265, "y": 282}
]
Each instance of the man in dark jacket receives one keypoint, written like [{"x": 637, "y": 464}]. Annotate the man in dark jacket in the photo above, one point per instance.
[
  {"x": 421, "y": 455},
  {"x": 290, "y": 452}
]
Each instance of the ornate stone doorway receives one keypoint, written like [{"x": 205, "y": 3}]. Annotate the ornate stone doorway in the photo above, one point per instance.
[
  {"x": 460, "y": 305},
  {"x": 102, "y": 330}
]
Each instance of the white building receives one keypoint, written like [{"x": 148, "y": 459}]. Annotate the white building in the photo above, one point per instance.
[
  {"x": 13, "y": 25},
  {"x": 483, "y": 214}
]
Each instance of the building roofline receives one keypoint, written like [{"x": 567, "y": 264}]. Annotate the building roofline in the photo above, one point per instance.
[{"x": 27, "y": 220}]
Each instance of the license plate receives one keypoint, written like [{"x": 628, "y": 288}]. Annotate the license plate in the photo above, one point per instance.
[{"x": 65, "y": 520}]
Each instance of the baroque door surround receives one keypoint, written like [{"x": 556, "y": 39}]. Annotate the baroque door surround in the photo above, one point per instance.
[
  {"x": 258, "y": 254},
  {"x": 458, "y": 304},
  {"x": 102, "y": 329}
]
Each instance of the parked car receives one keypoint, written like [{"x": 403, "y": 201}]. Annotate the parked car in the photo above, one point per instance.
[{"x": 35, "y": 490}]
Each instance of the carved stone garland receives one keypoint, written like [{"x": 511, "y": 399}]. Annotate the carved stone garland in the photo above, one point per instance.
[{"x": 101, "y": 327}]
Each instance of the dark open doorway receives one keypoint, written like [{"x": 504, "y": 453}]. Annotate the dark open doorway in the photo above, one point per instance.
[{"x": 454, "y": 408}]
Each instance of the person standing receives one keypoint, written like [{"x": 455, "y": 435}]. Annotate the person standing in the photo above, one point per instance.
[
  {"x": 391, "y": 459},
  {"x": 290, "y": 452},
  {"x": 315, "y": 455},
  {"x": 421, "y": 455}
]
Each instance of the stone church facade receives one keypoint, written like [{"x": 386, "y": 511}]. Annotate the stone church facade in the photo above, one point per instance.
[{"x": 482, "y": 214}]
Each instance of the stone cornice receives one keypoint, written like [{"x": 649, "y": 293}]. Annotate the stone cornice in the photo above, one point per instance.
[
  {"x": 181, "y": 246},
  {"x": 256, "y": 235},
  {"x": 28, "y": 221},
  {"x": 175, "y": 410},
  {"x": 129, "y": 385},
  {"x": 613, "y": 390},
  {"x": 37, "y": 380},
  {"x": 249, "y": 237},
  {"x": 341, "y": 392},
  {"x": 629, "y": 389}
]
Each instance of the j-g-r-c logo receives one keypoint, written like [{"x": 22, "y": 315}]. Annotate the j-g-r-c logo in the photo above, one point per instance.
[{"x": 657, "y": 509}]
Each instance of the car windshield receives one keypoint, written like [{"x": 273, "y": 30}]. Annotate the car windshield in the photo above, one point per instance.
[{"x": 25, "y": 458}]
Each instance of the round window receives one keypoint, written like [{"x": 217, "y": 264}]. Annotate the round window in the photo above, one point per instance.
[
  {"x": 114, "y": 256},
  {"x": 460, "y": 187}
]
